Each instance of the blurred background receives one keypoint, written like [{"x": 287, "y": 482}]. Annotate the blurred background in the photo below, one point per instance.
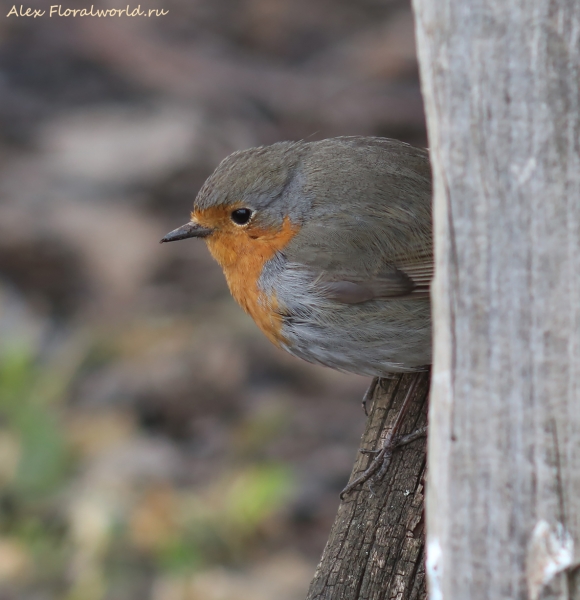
[{"x": 153, "y": 444}]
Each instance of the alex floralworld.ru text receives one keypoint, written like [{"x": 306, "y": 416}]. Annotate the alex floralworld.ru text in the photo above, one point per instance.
[{"x": 57, "y": 10}]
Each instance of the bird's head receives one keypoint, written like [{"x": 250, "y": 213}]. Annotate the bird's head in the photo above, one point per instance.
[{"x": 251, "y": 203}]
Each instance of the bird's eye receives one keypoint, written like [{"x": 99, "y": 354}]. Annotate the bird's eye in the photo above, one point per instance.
[{"x": 241, "y": 216}]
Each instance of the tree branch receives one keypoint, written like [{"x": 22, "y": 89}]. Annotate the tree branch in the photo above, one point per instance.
[{"x": 376, "y": 545}]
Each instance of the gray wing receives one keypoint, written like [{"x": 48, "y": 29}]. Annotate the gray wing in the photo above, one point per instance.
[
  {"x": 377, "y": 241},
  {"x": 411, "y": 281}
]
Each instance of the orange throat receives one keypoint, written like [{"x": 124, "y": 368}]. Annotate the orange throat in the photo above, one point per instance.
[{"x": 242, "y": 258}]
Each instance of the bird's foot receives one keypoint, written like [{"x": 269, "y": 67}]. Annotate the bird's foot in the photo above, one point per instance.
[
  {"x": 370, "y": 394},
  {"x": 382, "y": 459}
]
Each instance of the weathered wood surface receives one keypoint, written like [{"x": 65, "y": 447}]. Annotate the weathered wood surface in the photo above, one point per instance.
[
  {"x": 501, "y": 83},
  {"x": 376, "y": 546}
]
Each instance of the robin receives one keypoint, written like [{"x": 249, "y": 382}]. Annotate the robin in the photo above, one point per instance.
[{"x": 328, "y": 246}]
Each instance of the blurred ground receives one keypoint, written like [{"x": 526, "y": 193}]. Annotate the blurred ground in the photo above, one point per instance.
[{"x": 153, "y": 445}]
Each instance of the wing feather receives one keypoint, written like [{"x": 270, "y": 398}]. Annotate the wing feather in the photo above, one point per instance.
[{"x": 377, "y": 243}]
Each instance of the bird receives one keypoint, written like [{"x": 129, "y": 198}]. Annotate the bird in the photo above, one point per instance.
[{"x": 328, "y": 246}]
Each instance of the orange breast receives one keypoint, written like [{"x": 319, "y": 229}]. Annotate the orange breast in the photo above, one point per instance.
[{"x": 242, "y": 254}]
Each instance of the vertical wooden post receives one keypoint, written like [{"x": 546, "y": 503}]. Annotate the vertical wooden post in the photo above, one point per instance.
[{"x": 501, "y": 82}]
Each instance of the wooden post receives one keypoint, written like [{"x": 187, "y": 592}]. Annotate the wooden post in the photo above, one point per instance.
[
  {"x": 501, "y": 83},
  {"x": 376, "y": 546}
]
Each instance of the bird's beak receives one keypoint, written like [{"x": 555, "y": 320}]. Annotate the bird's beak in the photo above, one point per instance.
[{"x": 187, "y": 231}]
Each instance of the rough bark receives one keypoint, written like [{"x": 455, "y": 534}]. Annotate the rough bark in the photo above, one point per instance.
[
  {"x": 501, "y": 88},
  {"x": 376, "y": 546}
]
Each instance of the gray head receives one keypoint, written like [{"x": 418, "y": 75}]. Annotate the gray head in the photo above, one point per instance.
[
  {"x": 257, "y": 185},
  {"x": 259, "y": 188}
]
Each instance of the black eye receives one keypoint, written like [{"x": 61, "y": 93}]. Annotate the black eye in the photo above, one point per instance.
[{"x": 241, "y": 216}]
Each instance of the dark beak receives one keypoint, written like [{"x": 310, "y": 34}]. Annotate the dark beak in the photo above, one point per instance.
[{"x": 187, "y": 231}]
